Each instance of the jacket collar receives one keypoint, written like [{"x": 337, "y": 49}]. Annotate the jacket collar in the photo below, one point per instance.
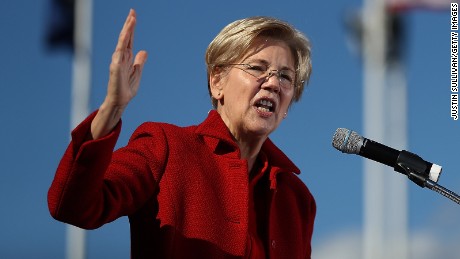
[
  {"x": 216, "y": 133},
  {"x": 215, "y": 128}
]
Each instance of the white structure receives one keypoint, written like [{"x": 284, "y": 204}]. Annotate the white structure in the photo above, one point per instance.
[
  {"x": 81, "y": 90},
  {"x": 384, "y": 94}
]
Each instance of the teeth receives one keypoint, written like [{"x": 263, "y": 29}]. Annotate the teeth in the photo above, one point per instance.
[
  {"x": 263, "y": 109},
  {"x": 266, "y": 103}
]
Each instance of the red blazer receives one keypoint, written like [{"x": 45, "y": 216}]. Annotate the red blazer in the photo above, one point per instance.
[{"x": 184, "y": 189}]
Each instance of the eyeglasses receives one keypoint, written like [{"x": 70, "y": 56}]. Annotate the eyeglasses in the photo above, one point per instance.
[{"x": 260, "y": 71}]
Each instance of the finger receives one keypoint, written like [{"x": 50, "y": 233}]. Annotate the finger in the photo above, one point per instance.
[
  {"x": 138, "y": 65},
  {"x": 137, "y": 68},
  {"x": 125, "y": 31},
  {"x": 141, "y": 58},
  {"x": 131, "y": 31},
  {"x": 131, "y": 14},
  {"x": 126, "y": 35}
]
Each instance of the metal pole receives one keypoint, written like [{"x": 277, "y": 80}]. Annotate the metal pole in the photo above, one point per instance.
[
  {"x": 385, "y": 120},
  {"x": 396, "y": 184},
  {"x": 75, "y": 237},
  {"x": 373, "y": 98}
]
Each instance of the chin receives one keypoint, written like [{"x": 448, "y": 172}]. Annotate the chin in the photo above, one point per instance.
[{"x": 263, "y": 129}]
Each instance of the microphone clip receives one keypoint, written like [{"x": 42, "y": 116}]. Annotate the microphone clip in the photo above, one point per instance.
[
  {"x": 413, "y": 166},
  {"x": 418, "y": 172}
]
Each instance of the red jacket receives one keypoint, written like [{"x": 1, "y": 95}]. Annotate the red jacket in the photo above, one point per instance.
[{"x": 184, "y": 189}]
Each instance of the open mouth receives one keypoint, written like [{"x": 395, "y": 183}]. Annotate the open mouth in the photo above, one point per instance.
[{"x": 265, "y": 105}]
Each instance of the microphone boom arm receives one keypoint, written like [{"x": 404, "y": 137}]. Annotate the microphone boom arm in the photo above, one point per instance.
[{"x": 443, "y": 191}]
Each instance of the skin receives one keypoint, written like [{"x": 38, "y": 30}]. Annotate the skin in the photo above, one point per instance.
[
  {"x": 125, "y": 75},
  {"x": 238, "y": 92}
]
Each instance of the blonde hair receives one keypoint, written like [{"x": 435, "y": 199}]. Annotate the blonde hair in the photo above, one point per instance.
[{"x": 235, "y": 40}]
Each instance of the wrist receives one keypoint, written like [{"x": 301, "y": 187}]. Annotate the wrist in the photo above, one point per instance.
[
  {"x": 112, "y": 107},
  {"x": 106, "y": 119}
]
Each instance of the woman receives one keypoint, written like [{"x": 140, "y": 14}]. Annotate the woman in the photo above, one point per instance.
[{"x": 220, "y": 189}]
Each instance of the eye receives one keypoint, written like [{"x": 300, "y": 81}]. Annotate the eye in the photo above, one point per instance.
[
  {"x": 286, "y": 77},
  {"x": 256, "y": 67}
]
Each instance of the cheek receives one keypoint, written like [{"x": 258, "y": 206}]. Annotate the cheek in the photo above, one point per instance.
[
  {"x": 285, "y": 101},
  {"x": 242, "y": 92}
]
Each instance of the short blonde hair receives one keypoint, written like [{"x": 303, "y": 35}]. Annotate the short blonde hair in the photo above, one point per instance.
[{"x": 235, "y": 40}]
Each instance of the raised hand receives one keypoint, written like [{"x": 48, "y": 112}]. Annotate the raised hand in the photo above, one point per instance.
[
  {"x": 124, "y": 79},
  {"x": 125, "y": 70}
]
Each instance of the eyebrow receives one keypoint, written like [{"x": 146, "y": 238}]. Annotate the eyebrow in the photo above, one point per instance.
[{"x": 265, "y": 62}]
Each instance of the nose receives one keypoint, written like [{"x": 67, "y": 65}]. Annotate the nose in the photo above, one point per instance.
[{"x": 272, "y": 82}]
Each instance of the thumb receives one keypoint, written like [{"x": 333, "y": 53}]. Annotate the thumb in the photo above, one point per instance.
[
  {"x": 136, "y": 72},
  {"x": 139, "y": 61}
]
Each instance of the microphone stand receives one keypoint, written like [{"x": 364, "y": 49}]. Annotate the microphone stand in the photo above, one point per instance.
[{"x": 422, "y": 180}]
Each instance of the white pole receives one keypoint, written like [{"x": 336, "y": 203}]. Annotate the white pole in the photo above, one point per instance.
[
  {"x": 75, "y": 237},
  {"x": 385, "y": 192},
  {"x": 396, "y": 184},
  {"x": 373, "y": 98}
]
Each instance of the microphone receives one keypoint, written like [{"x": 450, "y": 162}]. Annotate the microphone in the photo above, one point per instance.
[{"x": 417, "y": 169}]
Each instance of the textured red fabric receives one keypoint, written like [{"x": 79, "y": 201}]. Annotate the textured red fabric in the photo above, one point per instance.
[{"x": 185, "y": 191}]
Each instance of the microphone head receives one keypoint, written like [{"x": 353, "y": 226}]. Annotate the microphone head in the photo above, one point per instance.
[{"x": 347, "y": 141}]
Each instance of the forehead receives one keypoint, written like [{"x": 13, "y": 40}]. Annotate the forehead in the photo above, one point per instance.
[{"x": 270, "y": 50}]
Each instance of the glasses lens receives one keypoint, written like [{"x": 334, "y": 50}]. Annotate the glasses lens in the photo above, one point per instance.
[
  {"x": 261, "y": 71},
  {"x": 286, "y": 79}
]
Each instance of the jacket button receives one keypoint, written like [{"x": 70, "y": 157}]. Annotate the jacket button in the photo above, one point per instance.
[{"x": 273, "y": 244}]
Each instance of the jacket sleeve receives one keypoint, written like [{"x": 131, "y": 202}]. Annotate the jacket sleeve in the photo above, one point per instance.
[{"x": 94, "y": 185}]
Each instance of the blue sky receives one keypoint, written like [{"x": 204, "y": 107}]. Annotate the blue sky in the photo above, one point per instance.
[{"x": 35, "y": 103}]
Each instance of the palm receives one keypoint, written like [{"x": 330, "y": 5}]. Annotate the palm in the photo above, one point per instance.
[{"x": 125, "y": 69}]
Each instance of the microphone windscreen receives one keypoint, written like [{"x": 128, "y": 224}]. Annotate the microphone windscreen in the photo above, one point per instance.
[{"x": 347, "y": 141}]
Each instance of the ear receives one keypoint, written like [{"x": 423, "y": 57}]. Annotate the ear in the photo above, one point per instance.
[{"x": 216, "y": 83}]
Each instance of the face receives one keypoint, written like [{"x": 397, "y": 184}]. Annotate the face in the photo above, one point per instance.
[{"x": 252, "y": 107}]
